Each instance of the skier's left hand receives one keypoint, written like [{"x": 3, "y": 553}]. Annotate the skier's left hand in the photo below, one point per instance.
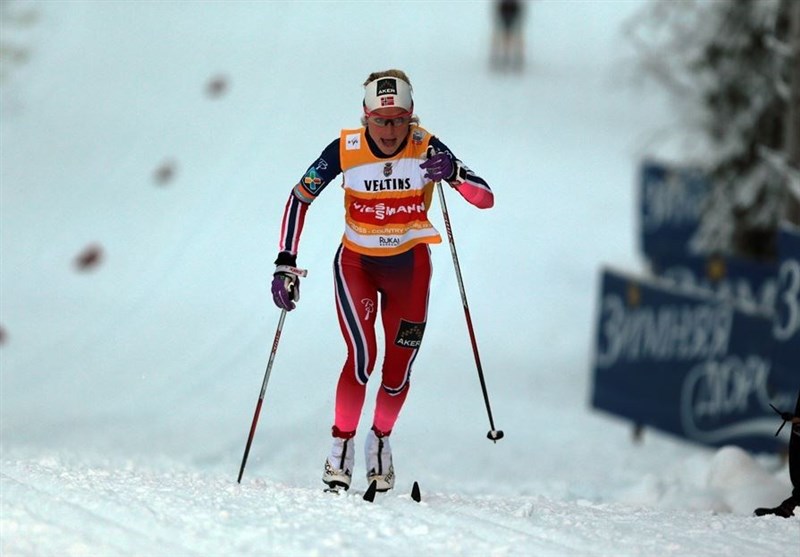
[{"x": 439, "y": 166}]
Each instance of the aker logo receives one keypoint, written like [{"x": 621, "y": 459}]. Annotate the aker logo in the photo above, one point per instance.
[
  {"x": 386, "y": 86},
  {"x": 352, "y": 142},
  {"x": 409, "y": 334},
  {"x": 387, "y": 169},
  {"x": 388, "y": 242},
  {"x": 311, "y": 180}
]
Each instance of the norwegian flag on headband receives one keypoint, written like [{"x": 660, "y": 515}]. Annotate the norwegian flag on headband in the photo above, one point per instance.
[{"x": 387, "y": 92}]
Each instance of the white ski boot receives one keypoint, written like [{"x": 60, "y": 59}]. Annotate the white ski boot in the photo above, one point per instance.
[
  {"x": 379, "y": 461},
  {"x": 339, "y": 465}
]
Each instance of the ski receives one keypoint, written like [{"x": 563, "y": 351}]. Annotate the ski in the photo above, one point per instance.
[
  {"x": 369, "y": 494},
  {"x": 415, "y": 494},
  {"x": 372, "y": 491}
]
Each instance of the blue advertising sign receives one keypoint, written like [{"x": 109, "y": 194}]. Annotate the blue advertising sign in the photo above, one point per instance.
[
  {"x": 686, "y": 363},
  {"x": 751, "y": 284},
  {"x": 671, "y": 202},
  {"x": 786, "y": 324}
]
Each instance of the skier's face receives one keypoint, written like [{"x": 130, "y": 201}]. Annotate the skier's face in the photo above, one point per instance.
[{"x": 388, "y": 127}]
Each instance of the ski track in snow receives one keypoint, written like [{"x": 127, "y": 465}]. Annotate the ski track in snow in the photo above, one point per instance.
[{"x": 108, "y": 507}]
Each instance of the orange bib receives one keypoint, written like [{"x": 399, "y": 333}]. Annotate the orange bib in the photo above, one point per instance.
[{"x": 386, "y": 200}]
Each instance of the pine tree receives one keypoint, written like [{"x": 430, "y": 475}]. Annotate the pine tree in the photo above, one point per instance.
[{"x": 731, "y": 61}]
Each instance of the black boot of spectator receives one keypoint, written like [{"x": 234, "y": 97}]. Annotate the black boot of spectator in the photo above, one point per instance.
[{"x": 785, "y": 509}]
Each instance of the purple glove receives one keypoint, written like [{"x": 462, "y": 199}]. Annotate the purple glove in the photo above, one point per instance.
[
  {"x": 286, "y": 281},
  {"x": 439, "y": 166},
  {"x": 285, "y": 290}
]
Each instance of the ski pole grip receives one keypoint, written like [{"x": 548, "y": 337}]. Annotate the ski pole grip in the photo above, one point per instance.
[{"x": 289, "y": 269}]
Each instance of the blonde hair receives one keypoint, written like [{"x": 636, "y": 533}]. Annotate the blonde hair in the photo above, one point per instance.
[{"x": 399, "y": 74}]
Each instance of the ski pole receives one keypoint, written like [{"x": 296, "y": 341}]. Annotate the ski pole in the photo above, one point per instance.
[
  {"x": 261, "y": 396},
  {"x": 494, "y": 434}
]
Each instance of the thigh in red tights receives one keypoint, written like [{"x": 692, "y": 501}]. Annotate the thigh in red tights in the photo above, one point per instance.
[{"x": 395, "y": 290}]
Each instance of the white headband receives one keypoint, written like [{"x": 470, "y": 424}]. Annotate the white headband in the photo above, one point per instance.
[{"x": 388, "y": 92}]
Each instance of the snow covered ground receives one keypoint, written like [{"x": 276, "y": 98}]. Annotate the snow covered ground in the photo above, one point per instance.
[{"x": 128, "y": 389}]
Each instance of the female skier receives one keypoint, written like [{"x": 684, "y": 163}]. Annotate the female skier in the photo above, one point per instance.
[{"x": 382, "y": 267}]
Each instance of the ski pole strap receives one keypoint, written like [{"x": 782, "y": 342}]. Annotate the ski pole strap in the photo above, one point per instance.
[{"x": 291, "y": 270}]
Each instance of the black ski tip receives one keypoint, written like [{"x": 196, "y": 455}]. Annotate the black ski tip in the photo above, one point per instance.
[
  {"x": 369, "y": 494},
  {"x": 415, "y": 494},
  {"x": 495, "y": 435}
]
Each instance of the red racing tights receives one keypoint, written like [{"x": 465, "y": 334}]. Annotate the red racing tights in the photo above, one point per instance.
[{"x": 403, "y": 282}]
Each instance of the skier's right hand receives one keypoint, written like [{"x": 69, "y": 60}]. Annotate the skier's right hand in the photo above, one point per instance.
[{"x": 286, "y": 281}]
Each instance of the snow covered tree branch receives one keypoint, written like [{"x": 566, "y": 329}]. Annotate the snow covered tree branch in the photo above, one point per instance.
[{"x": 732, "y": 64}]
